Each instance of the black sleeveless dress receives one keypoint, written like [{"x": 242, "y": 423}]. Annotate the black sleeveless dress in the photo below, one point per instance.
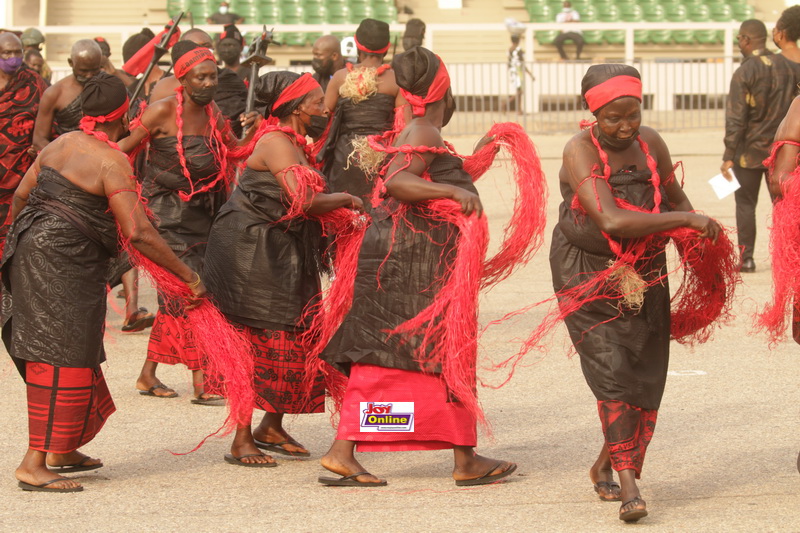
[{"x": 624, "y": 353}]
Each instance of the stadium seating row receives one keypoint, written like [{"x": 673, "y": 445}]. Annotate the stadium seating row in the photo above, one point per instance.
[{"x": 688, "y": 11}]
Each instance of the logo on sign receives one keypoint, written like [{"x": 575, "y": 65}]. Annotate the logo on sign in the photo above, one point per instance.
[{"x": 387, "y": 416}]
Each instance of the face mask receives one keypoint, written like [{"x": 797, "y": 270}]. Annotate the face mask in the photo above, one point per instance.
[
  {"x": 228, "y": 56},
  {"x": 10, "y": 65},
  {"x": 223, "y": 9},
  {"x": 615, "y": 144},
  {"x": 322, "y": 67},
  {"x": 316, "y": 126},
  {"x": 82, "y": 79},
  {"x": 203, "y": 97}
]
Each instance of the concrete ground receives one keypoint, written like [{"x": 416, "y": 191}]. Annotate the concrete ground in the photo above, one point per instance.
[{"x": 723, "y": 458}]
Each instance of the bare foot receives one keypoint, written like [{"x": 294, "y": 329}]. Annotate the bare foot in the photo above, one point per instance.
[
  {"x": 275, "y": 436},
  {"x": 73, "y": 458},
  {"x": 32, "y": 470},
  {"x": 340, "y": 460},
  {"x": 479, "y": 466}
]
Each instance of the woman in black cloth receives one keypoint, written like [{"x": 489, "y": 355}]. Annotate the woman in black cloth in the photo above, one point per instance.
[
  {"x": 623, "y": 347},
  {"x": 263, "y": 260}
]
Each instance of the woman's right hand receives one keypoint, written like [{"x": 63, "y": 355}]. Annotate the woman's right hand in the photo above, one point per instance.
[
  {"x": 355, "y": 203},
  {"x": 708, "y": 227},
  {"x": 198, "y": 294},
  {"x": 470, "y": 202}
]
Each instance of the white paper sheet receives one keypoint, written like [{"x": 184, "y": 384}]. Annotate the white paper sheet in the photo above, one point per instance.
[{"x": 722, "y": 187}]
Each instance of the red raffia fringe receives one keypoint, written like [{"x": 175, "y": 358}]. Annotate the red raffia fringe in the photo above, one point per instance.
[
  {"x": 784, "y": 246},
  {"x": 227, "y": 361},
  {"x": 448, "y": 327}
]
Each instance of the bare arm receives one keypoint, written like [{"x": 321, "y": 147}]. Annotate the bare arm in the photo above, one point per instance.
[
  {"x": 676, "y": 195},
  {"x": 407, "y": 185},
  {"x": 44, "y": 118},
  {"x": 29, "y": 181},
  {"x": 120, "y": 188},
  {"x": 786, "y": 160},
  {"x": 332, "y": 91},
  {"x": 578, "y": 160},
  {"x": 276, "y": 153},
  {"x": 152, "y": 121}
]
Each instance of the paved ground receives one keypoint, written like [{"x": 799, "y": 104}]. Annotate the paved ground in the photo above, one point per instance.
[{"x": 723, "y": 457}]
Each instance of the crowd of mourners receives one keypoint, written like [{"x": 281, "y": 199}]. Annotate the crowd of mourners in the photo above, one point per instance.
[{"x": 343, "y": 176}]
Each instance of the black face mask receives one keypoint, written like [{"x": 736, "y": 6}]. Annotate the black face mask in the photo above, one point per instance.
[
  {"x": 615, "y": 144},
  {"x": 322, "y": 67},
  {"x": 316, "y": 126},
  {"x": 203, "y": 97}
]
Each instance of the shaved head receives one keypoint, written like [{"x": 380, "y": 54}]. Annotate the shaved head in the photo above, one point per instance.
[
  {"x": 328, "y": 44},
  {"x": 8, "y": 38},
  {"x": 198, "y": 36},
  {"x": 88, "y": 50}
]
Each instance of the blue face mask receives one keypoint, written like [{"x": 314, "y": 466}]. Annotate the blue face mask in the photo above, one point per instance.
[{"x": 10, "y": 65}]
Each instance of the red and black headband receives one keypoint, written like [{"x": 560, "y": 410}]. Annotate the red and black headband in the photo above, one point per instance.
[
  {"x": 191, "y": 59},
  {"x": 437, "y": 91},
  {"x": 611, "y": 89},
  {"x": 299, "y": 87},
  {"x": 366, "y": 50}
]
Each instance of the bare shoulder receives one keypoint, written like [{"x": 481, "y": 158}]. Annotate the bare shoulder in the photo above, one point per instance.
[
  {"x": 423, "y": 133},
  {"x": 653, "y": 139},
  {"x": 577, "y": 144},
  {"x": 339, "y": 76}
]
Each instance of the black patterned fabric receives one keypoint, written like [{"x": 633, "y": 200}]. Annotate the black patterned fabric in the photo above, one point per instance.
[
  {"x": 624, "y": 353},
  {"x": 373, "y": 116},
  {"x": 400, "y": 270},
  {"x": 261, "y": 271},
  {"x": 54, "y": 267},
  {"x": 68, "y": 118},
  {"x": 184, "y": 225}
]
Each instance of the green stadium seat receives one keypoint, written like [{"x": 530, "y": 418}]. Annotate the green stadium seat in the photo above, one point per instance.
[
  {"x": 648, "y": 2},
  {"x": 338, "y": 13},
  {"x": 679, "y": 13},
  {"x": 262, "y": 3},
  {"x": 174, "y": 7},
  {"x": 292, "y": 14},
  {"x": 654, "y": 12},
  {"x": 385, "y": 12},
  {"x": 610, "y": 13},
  {"x": 579, "y": 6},
  {"x": 359, "y": 12},
  {"x": 721, "y": 12},
  {"x": 743, "y": 12},
  {"x": 701, "y": 13},
  {"x": 734, "y": 3},
  {"x": 590, "y": 14},
  {"x": 539, "y": 12},
  {"x": 269, "y": 15},
  {"x": 634, "y": 13}
]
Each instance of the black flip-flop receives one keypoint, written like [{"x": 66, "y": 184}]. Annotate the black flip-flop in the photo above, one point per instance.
[
  {"x": 139, "y": 320},
  {"x": 607, "y": 486},
  {"x": 150, "y": 392},
  {"x": 44, "y": 486},
  {"x": 351, "y": 481},
  {"x": 232, "y": 459},
  {"x": 634, "y": 514},
  {"x": 80, "y": 466},
  {"x": 214, "y": 400},
  {"x": 486, "y": 478},
  {"x": 277, "y": 447}
]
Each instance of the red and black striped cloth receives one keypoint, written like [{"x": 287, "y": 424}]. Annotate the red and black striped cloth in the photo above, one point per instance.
[
  {"x": 628, "y": 430},
  {"x": 67, "y": 406}
]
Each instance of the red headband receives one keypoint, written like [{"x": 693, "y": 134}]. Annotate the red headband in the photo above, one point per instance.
[
  {"x": 88, "y": 123},
  {"x": 611, "y": 89},
  {"x": 299, "y": 87},
  {"x": 437, "y": 90},
  {"x": 191, "y": 59},
  {"x": 367, "y": 50}
]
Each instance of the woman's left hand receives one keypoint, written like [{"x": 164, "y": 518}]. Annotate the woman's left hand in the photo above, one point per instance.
[{"x": 253, "y": 118}]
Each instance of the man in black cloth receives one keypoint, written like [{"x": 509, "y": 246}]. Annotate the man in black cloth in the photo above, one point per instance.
[
  {"x": 224, "y": 15},
  {"x": 762, "y": 89},
  {"x": 229, "y": 50},
  {"x": 327, "y": 59},
  {"x": 20, "y": 92},
  {"x": 414, "y": 34},
  {"x": 66, "y": 214},
  {"x": 60, "y": 109}
]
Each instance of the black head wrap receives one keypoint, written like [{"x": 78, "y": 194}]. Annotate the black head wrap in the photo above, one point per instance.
[
  {"x": 373, "y": 34},
  {"x": 105, "y": 48},
  {"x": 269, "y": 88},
  {"x": 102, "y": 94},
  {"x": 597, "y": 74},
  {"x": 415, "y": 70},
  {"x": 181, "y": 47},
  {"x": 230, "y": 31},
  {"x": 135, "y": 43}
]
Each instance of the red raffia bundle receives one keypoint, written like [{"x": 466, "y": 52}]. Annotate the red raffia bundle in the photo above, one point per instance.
[
  {"x": 701, "y": 303},
  {"x": 448, "y": 327},
  {"x": 227, "y": 361},
  {"x": 784, "y": 246}
]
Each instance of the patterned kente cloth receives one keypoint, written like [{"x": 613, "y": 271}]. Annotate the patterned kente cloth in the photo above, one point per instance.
[
  {"x": 628, "y": 431},
  {"x": 67, "y": 407},
  {"x": 19, "y": 103}
]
